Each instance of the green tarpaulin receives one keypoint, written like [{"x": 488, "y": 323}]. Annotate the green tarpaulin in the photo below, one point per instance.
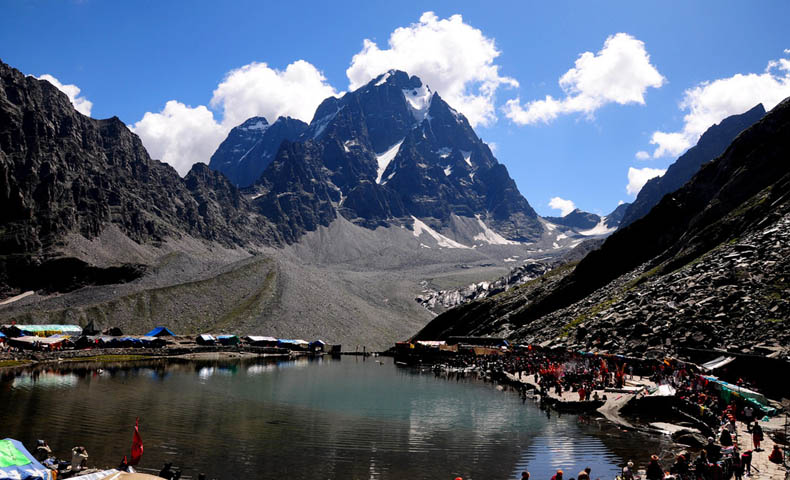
[{"x": 10, "y": 456}]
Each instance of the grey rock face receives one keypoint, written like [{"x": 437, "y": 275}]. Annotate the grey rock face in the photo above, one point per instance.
[{"x": 251, "y": 147}]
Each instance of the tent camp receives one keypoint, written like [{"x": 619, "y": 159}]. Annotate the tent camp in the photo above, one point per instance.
[
  {"x": 160, "y": 332},
  {"x": 205, "y": 339},
  {"x": 41, "y": 330},
  {"x": 18, "y": 464},
  {"x": 31, "y": 342}
]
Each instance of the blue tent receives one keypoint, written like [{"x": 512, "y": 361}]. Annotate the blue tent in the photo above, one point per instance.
[
  {"x": 18, "y": 464},
  {"x": 160, "y": 332}
]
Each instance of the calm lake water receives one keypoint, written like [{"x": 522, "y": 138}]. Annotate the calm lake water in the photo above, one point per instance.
[{"x": 353, "y": 418}]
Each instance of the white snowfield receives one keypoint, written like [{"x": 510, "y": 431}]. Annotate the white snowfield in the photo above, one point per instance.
[
  {"x": 385, "y": 158},
  {"x": 599, "y": 229},
  {"x": 419, "y": 100},
  {"x": 441, "y": 240},
  {"x": 489, "y": 236}
]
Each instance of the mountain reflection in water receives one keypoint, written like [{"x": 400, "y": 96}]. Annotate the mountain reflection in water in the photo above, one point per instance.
[{"x": 304, "y": 418}]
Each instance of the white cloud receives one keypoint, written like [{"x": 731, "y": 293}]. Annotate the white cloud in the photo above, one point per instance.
[
  {"x": 180, "y": 135},
  {"x": 710, "y": 102},
  {"x": 257, "y": 89},
  {"x": 452, "y": 57},
  {"x": 620, "y": 202},
  {"x": 81, "y": 104},
  {"x": 638, "y": 177},
  {"x": 620, "y": 73},
  {"x": 564, "y": 206},
  {"x": 493, "y": 146},
  {"x": 642, "y": 155}
]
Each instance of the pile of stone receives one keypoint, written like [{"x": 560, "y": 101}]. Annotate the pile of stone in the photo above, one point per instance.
[{"x": 735, "y": 297}]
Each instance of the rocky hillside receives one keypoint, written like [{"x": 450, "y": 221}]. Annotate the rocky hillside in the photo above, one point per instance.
[
  {"x": 707, "y": 266},
  {"x": 63, "y": 173},
  {"x": 711, "y": 144}
]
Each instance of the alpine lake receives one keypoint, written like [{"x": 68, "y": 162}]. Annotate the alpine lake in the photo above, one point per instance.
[{"x": 347, "y": 417}]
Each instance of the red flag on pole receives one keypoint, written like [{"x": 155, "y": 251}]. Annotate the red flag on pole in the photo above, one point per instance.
[{"x": 137, "y": 444}]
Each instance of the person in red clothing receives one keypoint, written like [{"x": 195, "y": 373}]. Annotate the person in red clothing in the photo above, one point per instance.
[
  {"x": 582, "y": 393},
  {"x": 776, "y": 455},
  {"x": 557, "y": 476}
]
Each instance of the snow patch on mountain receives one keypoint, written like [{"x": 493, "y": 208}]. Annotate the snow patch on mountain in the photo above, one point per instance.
[
  {"x": 260, "y": 125},
  {"x": 467, "y": 157},
  {"x": 489, "y": 236},
  {"x": 599, "y": 229},
  {"x": 420, "y": 227},
  {"x": 385, "y": 158},
  {"x": 419, "y": 100},
  {"x": 382, "y": 80}
]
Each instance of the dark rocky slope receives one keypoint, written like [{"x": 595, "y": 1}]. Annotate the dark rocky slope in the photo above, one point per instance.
[
  {"x": 63, "y": 173},
  {"x": 722, "y": 235},
  {"x": 711, "y": 144}
]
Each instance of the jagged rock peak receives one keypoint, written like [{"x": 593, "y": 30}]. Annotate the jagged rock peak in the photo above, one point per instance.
[{"x": 251, "y": 146}]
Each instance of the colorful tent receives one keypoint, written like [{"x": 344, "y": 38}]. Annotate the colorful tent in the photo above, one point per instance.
[
  {"x": 160, "y": 332},
  {"x": 18, "y": 464},
  {"x": 41, "y": 330}
]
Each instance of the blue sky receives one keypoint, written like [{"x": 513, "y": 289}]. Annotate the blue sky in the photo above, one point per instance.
[{"x": 132, "y": 58}]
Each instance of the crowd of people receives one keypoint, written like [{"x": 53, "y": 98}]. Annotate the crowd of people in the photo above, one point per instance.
[{"x": 725, "y": 455}]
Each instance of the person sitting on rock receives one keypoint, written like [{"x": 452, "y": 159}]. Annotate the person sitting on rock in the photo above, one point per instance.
[
  {"x": 79, "y": 458},
  {"x": 776, "y": 455},
  {"x": 42, "y": 450}
]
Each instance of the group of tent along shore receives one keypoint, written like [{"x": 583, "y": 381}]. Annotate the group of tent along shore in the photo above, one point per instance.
[{"x": 20, "y": 338}]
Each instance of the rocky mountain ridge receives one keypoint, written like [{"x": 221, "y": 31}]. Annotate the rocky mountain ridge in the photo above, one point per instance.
[
  {"x": 711, "y": 144},
  {"x": 388, "y": 154},
  {"x": 64, "y": 173}
]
